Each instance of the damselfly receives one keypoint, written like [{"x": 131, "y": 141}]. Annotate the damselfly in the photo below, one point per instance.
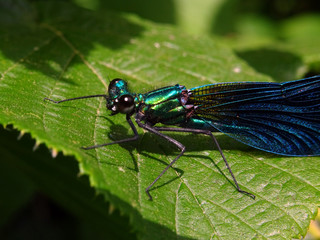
[{"x": 281, "y": 118}]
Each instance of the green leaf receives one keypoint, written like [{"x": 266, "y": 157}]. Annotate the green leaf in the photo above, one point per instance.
[
  {"x": 277, "y": 62},
  {"x": 70, "y": 52},
  {"x": 284, "y": 50},
  {"x": 257, "y": 43},
  {"x": 302, "y": 34}
]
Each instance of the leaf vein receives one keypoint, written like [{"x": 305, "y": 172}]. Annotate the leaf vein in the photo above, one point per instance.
[
  {"x": 266, "y": 199},
  {"x": 77, "y": 52},
  {"x": 239, "y": 218},
  {"x": 22, "y": 59}
]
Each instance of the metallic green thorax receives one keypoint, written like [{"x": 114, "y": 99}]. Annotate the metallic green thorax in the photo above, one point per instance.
[{"x": 165, "y": 105}]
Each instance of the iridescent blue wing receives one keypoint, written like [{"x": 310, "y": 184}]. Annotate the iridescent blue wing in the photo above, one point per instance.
[{"x": 282, "y": 118}]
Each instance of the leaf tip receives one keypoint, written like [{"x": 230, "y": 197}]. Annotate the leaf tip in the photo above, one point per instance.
[
  {"x": 111, "y": 209},
  {"x": 21, "y": 134},
  {"x": 36, "y": 146},
  {"x": 54, "y": 153}
]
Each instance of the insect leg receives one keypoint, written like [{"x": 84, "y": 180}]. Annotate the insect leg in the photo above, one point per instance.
[
  {"x": 134, "y": 138},
  {"x": 169, "y": 139},
  {"x": 209, "y": 133}
]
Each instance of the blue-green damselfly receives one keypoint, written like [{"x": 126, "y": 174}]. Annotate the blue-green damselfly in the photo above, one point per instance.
[{"x": 281, "y": 118}]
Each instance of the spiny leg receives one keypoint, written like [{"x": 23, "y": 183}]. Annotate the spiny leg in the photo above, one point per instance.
[
  {"x": 134, "y": 138},
  {"x": 169, "y": 139},
  {"x": 209, "y": 133}
]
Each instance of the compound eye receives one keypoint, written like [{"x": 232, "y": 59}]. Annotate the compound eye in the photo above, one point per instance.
[
  {"x": 114, "y": 82},
  {"x": 125, "y": 104}
]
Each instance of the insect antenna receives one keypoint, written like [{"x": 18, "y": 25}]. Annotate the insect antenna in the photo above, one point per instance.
[{"x": 76, "y": 98}]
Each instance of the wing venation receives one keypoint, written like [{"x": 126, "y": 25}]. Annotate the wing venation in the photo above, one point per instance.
[{"x": 282, "y": 118}]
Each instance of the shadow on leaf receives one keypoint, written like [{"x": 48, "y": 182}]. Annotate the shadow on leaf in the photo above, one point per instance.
[
  {"x": 272, "y": 62},
  {"x": 58, "y": 35}
]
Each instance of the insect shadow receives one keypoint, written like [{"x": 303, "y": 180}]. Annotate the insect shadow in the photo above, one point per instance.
[{"x": 148, "y": 144}]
